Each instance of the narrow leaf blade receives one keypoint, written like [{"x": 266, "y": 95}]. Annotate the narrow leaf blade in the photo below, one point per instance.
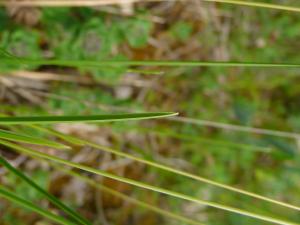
[
  {"x": 50, "y": 197},
  {"x": 37, "y": 154},
  {"x": 12, "y": 136},
  {"x": 91, "y": 118},
  {"x": 4, "y": 193}
]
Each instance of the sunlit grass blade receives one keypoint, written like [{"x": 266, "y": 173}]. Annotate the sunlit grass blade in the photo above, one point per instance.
[
  {"x": 71, "y": 3},
  {"x": 166, "y": 168},
  {"x": 5, "y": 53},
  {"x": 16, "y": 137},
  {"x": 4, "y": 193},
  {"x": 195, "y": 139},
  {"x": 85, "y": 3},
  {"x": 147, "y": 72},
  {"x": 112, "y": 63},
  {"x": 65, "y": 137},
  {"x": 74, "y": 215},
  {"x": 91, "y": 118},
  {"x": 127, "y": 198},
  {"x": 41, "y": 155},
  {"x": 258, "y": 5},
  {"x": 239, "y": 128}
]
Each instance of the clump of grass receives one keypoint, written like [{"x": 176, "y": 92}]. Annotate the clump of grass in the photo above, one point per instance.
[
  {"x": 85, "y": 3},
  {"x": 143, "y": 185},
  {"x": 5, "y": 193},
  {"x": 8, "y": 138}
]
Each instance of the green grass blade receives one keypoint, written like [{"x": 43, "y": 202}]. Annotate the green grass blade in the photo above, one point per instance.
[
  {"x": 5, "y": 53},
  {"x": 258, "y": 5},
  {"x": 34, "y": 153},
  {"x": 86, "y": 3},
  {"x": 12, "y": 136},
  {"x": 239, "y": 128},
  {"x": 192, "y": 176},
  {"x": 4, "y": 193},
  {"x": 65, "y": 137},
  {"x": 146, "y": 72},
  {"x": 98, "y": 64},
  {"x": 75, "y": 216},
  {"x": 167, "y": 168},
  {"x": 70, "y": 3},
  {"x": 193, "y": 138},
  {"x": 126, "y": 198},
  {"x": 91, "y": 118}
]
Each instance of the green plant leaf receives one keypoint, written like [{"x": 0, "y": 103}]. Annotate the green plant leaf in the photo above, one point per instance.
[
  {"x": 210, "y": 141},
  {"x": 111, "y": 63},
  {"x": 12, "y": 136},
  {"x": 37, "y": 154},
  {"x": 166, "y": 168},
  {"x": 91, "y": 118},
  {"x": 258, "y": 5},
  {"x": 126, "y": 197},
  {"x": 75, "y": 216},
  {"x": 50, "y": 3},
  {"x": 237, "y": 128},
  {"x": 4, "y": 193}
]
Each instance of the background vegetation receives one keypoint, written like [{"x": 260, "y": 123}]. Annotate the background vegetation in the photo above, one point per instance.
[{"x": 268, "y": 98}]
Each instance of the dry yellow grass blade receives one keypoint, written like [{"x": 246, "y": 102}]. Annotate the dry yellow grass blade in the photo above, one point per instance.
[
  {"x": 258, "y": 5},
  {"x": 89, "y": 3},
  {"x": 71, "y": 3}
]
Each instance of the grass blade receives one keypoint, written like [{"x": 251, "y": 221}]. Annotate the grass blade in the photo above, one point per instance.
[
  {"x": 85, "y": 3},
  {"x": 221, "y": 143},
  {"x": 12, "y": 136},
  {"x": 128, "y": 198},
  {"x": 72, "y": 3},
  {"x": 75, "y": 216},
  {"x": 258, "y": 5},
  {"x": 60, "y": 135},
  {"x": 232, "y": 127},
  {"x": 167, "y": 168},
  {"x": 34, "y": 153},
  {"x": 91, "y": 118},
  {"x": 111, "y": 63},
  {"x": 4, "y": 193}
]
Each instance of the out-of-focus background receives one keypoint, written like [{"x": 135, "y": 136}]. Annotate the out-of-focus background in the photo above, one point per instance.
[{"x": 194, "y": 30}]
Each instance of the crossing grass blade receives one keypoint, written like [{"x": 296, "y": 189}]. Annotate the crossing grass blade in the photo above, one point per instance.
[
  {"x": 71, "y": 3},
  {"x": 195, "y": 139},
  {"x": 67, "y": 138},
  {"x": 4, "y": 193},
  {"x": 74, "y": 215},
  {"x": 41, "y": 155},
  {"x": 91, "y": 118},
  {"x": 127, "y": 198},
  {"x": 86, "y": 3},
  {"x": 112, "y": 63},
  {"x": 4, "y": 53},
  {"x": 17, "y": 137},
  {"x": 258, "y": 5},
  {"x": 78, "y": 141},
  {"x": 236, "y": 128}
]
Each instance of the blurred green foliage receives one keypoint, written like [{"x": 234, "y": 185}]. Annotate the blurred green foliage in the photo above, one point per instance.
[
  {"x": 267, "y": 98},
  {"x": 21, "y": 188}
]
